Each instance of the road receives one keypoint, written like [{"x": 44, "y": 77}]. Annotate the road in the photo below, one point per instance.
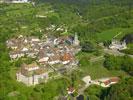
[{"x": 115, "y": 52}]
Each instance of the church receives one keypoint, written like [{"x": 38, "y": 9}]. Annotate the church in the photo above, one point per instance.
[{"x": 118, "y": 45}]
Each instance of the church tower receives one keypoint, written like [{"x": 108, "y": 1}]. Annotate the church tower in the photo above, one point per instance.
[
  {"x": 124, "y": 44},
  {"x": 76, "y": 41}
]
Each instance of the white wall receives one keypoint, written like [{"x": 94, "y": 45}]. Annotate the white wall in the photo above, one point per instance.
[
  {"x": 26, "y": 80},
  {"x": 29, "y": 80}
]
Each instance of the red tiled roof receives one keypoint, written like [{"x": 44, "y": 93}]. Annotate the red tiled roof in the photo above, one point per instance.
[
  {"x": 66, "y": 57},
  {"x": 71, "y": 89},
  {"x": 107, "y": 82},
  {"x": 114, "y": 79}
]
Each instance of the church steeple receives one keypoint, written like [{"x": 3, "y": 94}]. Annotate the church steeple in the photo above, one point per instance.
[
  {"x": 124, "y": 44},
  {"x": 76, "y": 41}
]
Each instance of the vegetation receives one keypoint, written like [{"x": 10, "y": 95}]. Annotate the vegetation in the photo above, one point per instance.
[
  {"x": 120, "y": 91},
  {"x": 129, "y": 50},
  {"x": 95, "y": 69},
  {"x": 119, "y": 63},
  {"x": 94, "y": 92},
  {"x": 88, "y": 47},
  {"x": 94, "y": 21},
  {"x": 40, "y": 92}
]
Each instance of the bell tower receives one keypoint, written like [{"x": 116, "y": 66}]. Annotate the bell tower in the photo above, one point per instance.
[{"x": 76, "y": 41}]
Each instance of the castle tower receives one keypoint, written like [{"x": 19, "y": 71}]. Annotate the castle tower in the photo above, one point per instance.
[
  {"x": 124, "y": 44},
  {"x": 76, "y": 41}
]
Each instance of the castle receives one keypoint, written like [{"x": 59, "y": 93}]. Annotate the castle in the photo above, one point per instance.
[
  {"x": 32, "y": 74},
  {"x": 118, "y": 45}
]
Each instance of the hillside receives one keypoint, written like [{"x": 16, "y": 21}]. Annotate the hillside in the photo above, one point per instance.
[
  {"x": 94, "y": 21},
  {"x": 87, "y": 20}
]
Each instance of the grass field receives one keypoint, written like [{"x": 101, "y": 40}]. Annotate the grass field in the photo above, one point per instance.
[
  {"x": 109, "y": 34},
  {"x": 96, "y": 69}
]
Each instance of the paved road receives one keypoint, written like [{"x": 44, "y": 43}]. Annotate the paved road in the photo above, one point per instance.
[{"x": 115, "y": 52}]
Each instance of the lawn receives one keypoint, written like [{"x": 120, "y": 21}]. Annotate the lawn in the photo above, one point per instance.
[
  {"x": 109, "y": 34},
  {"x": 96, "y": 69}
]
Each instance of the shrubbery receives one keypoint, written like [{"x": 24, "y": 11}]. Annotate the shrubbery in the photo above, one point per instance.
[{"x": 119, "y": 63}]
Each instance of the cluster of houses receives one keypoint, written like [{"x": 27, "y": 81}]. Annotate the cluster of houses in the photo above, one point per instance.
[
  {"x": 23, "y": 46},
  {"x": 50, "y": 51}
]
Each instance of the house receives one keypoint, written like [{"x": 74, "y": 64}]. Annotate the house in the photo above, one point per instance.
[
  {"x": 54, "y": 59},
  {"x": 13, "y": 55},
  {"x": 87, "y": 80},
  {"x": 116, "y": 45},
  {"x": 32, "y": 74},
  {"x": 31, "y": 53},
  {"x": 12, "y": 43},
  {"x": 66, "y": 58},
  {"x": 109, "y": 81},
  {"x": 42, "y": 56},
  {"x": 34, "y": 39},
  {"x": 16, "y": 54},
  {"x": 70, "y": 90},
  {"x": 24, "y": 49}
]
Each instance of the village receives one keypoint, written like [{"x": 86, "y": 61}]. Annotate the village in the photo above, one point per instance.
[
  {"x": 66, "y": 49},
  {"x": 53, "y": 57},
  {"x": 51, "y": 54}
]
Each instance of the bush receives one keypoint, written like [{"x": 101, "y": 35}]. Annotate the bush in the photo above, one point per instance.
[
  {"x": 119, "y": 63},
  {"x": 127, "y": 51},
  {"x": 88, "y": 47}
]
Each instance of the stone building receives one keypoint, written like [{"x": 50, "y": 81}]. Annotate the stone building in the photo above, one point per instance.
[
  {"x": 118, "y": 45},
  {"x": 32, "y": 74}
]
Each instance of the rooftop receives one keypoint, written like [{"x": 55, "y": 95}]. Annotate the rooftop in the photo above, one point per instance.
[{"x": 35, "y": 71}]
